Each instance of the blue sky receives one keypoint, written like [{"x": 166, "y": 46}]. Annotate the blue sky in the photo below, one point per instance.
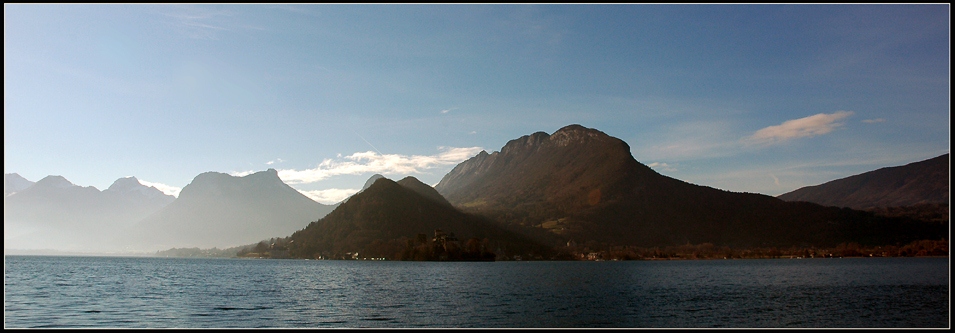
[{"x": 745, "y": 98}]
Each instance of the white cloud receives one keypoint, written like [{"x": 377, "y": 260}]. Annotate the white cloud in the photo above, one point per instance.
[
  {"x": 447, "y": 110},
  {"x": 277, "y": 160},
  {"x": 373, "y": 162},
  {"x": 873, "y": 121},
  {"x": 241, "y": 173},
  {"x": 662, "y": 166},
  {"x": 330, "y": 196},
  {"x": 810, "y": 126},
  {"x": 167, "y": 189}
]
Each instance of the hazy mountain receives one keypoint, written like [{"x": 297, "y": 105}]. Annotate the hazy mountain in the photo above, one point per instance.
[
  {"x": 220, "y": 210},
  {"x": 13, "y": 183},
  {"x": 584, "y": 185},
  {"x": 382, "y": 219},
  {"x": 371, "y": 180},
  {"x": 55, "y": 214},
  {"x": 923, "y": 182}
]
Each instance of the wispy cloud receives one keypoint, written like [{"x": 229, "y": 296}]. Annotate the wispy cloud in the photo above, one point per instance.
[
  {"x": 277, "y": 160},
  {"x": 373, "y": 162},
  {"x": 873, "y": 121},
  {"x": 199, "y": 22},
  {"x": 447, "y": 110},
  {"x": 167, "y": 189},
  {"x": 810, "y": 126},
  {"x": 330, "y": 196}
]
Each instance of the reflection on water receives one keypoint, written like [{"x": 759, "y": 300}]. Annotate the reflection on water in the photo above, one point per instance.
[{"x": 211, "y": 293}]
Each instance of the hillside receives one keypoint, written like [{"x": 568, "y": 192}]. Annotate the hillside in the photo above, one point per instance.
[
  {"x": 390, "y": 217},
  {"x": 918, "y": 183}
]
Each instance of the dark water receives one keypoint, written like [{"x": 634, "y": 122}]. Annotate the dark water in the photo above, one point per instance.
[{"x": 117, "y": 292}]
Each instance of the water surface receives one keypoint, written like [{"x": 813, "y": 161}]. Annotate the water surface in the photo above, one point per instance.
[{"x": 131, "y": 292}]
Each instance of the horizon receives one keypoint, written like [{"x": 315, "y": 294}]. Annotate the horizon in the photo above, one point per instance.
[{"x": 745, "y": 98}]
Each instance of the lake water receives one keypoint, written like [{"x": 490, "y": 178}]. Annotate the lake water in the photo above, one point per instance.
[{"x": 133, "y": 292}]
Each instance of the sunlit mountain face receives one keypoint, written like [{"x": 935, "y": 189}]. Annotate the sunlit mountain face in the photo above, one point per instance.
[{"x": 581, "y": 184}]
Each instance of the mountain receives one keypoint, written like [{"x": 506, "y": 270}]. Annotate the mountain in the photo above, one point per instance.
[
  {"x": 389, "y": 217},
  {"x": 423, "y": 190},
  {"x": 581, "y": 184},
  {"x": 220, "y": 210},
  {"x": 55, "y": 214},
  {"x": 371, "y": 180},
  {"x": 13, "y": 183},
  {"x": 923, "y": 182}
]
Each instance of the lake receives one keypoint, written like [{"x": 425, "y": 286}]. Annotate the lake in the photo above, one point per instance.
[{"x": 144, "y": 292}]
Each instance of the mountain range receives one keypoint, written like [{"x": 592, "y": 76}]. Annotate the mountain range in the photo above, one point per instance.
[
  {"x": 538, "y": 193},
  {"x": 214, "y": 210},
  {"x": 53, "y": 213}
]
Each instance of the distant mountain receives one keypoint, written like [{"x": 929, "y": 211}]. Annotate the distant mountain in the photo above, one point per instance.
[
  {"x": 55, "y": 214},
  {"x": 924, "y": 182},
  {"x": 13, "y": 183},
  {"x": 389, "y": 216},
  {"x": 371, "y": 180},
  {"x": 581, "y": 184},
  {"x": 220, "y": 210}
]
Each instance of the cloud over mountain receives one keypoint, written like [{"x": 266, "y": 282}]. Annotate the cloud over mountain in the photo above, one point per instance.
[{"x": 373, "y": 162}]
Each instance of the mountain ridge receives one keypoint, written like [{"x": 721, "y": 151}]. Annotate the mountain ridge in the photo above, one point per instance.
[{"x": 921, "y": 182}]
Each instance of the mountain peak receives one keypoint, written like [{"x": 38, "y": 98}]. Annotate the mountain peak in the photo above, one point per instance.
[
  {"x": 527, "y": 143},
  {"x": 371, "y": 180},
  {"x": 131, "y": 188},
  {"x": 55, "y": 182},
  {"x": 13, "y": 182},
  {"x": 124, "y": 184},
  {"x": 423, "y": 189},
  {"x": 576, "y": 134}
]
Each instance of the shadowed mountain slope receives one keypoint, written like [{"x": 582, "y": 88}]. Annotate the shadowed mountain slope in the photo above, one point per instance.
[
  {"x": 924, "y": 182},
  {"x": 382, "y": 219},
  {"x": 584, "y": 185}
]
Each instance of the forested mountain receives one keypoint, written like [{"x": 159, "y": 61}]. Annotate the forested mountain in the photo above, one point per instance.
[
  {"x": 584, "y": 185},
  {"x": 917, "y": 183},
  {"x": 404, "y": 220}
]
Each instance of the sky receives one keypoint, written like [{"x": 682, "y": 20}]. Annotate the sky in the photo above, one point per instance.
[{"x": 745, "y": 98}]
